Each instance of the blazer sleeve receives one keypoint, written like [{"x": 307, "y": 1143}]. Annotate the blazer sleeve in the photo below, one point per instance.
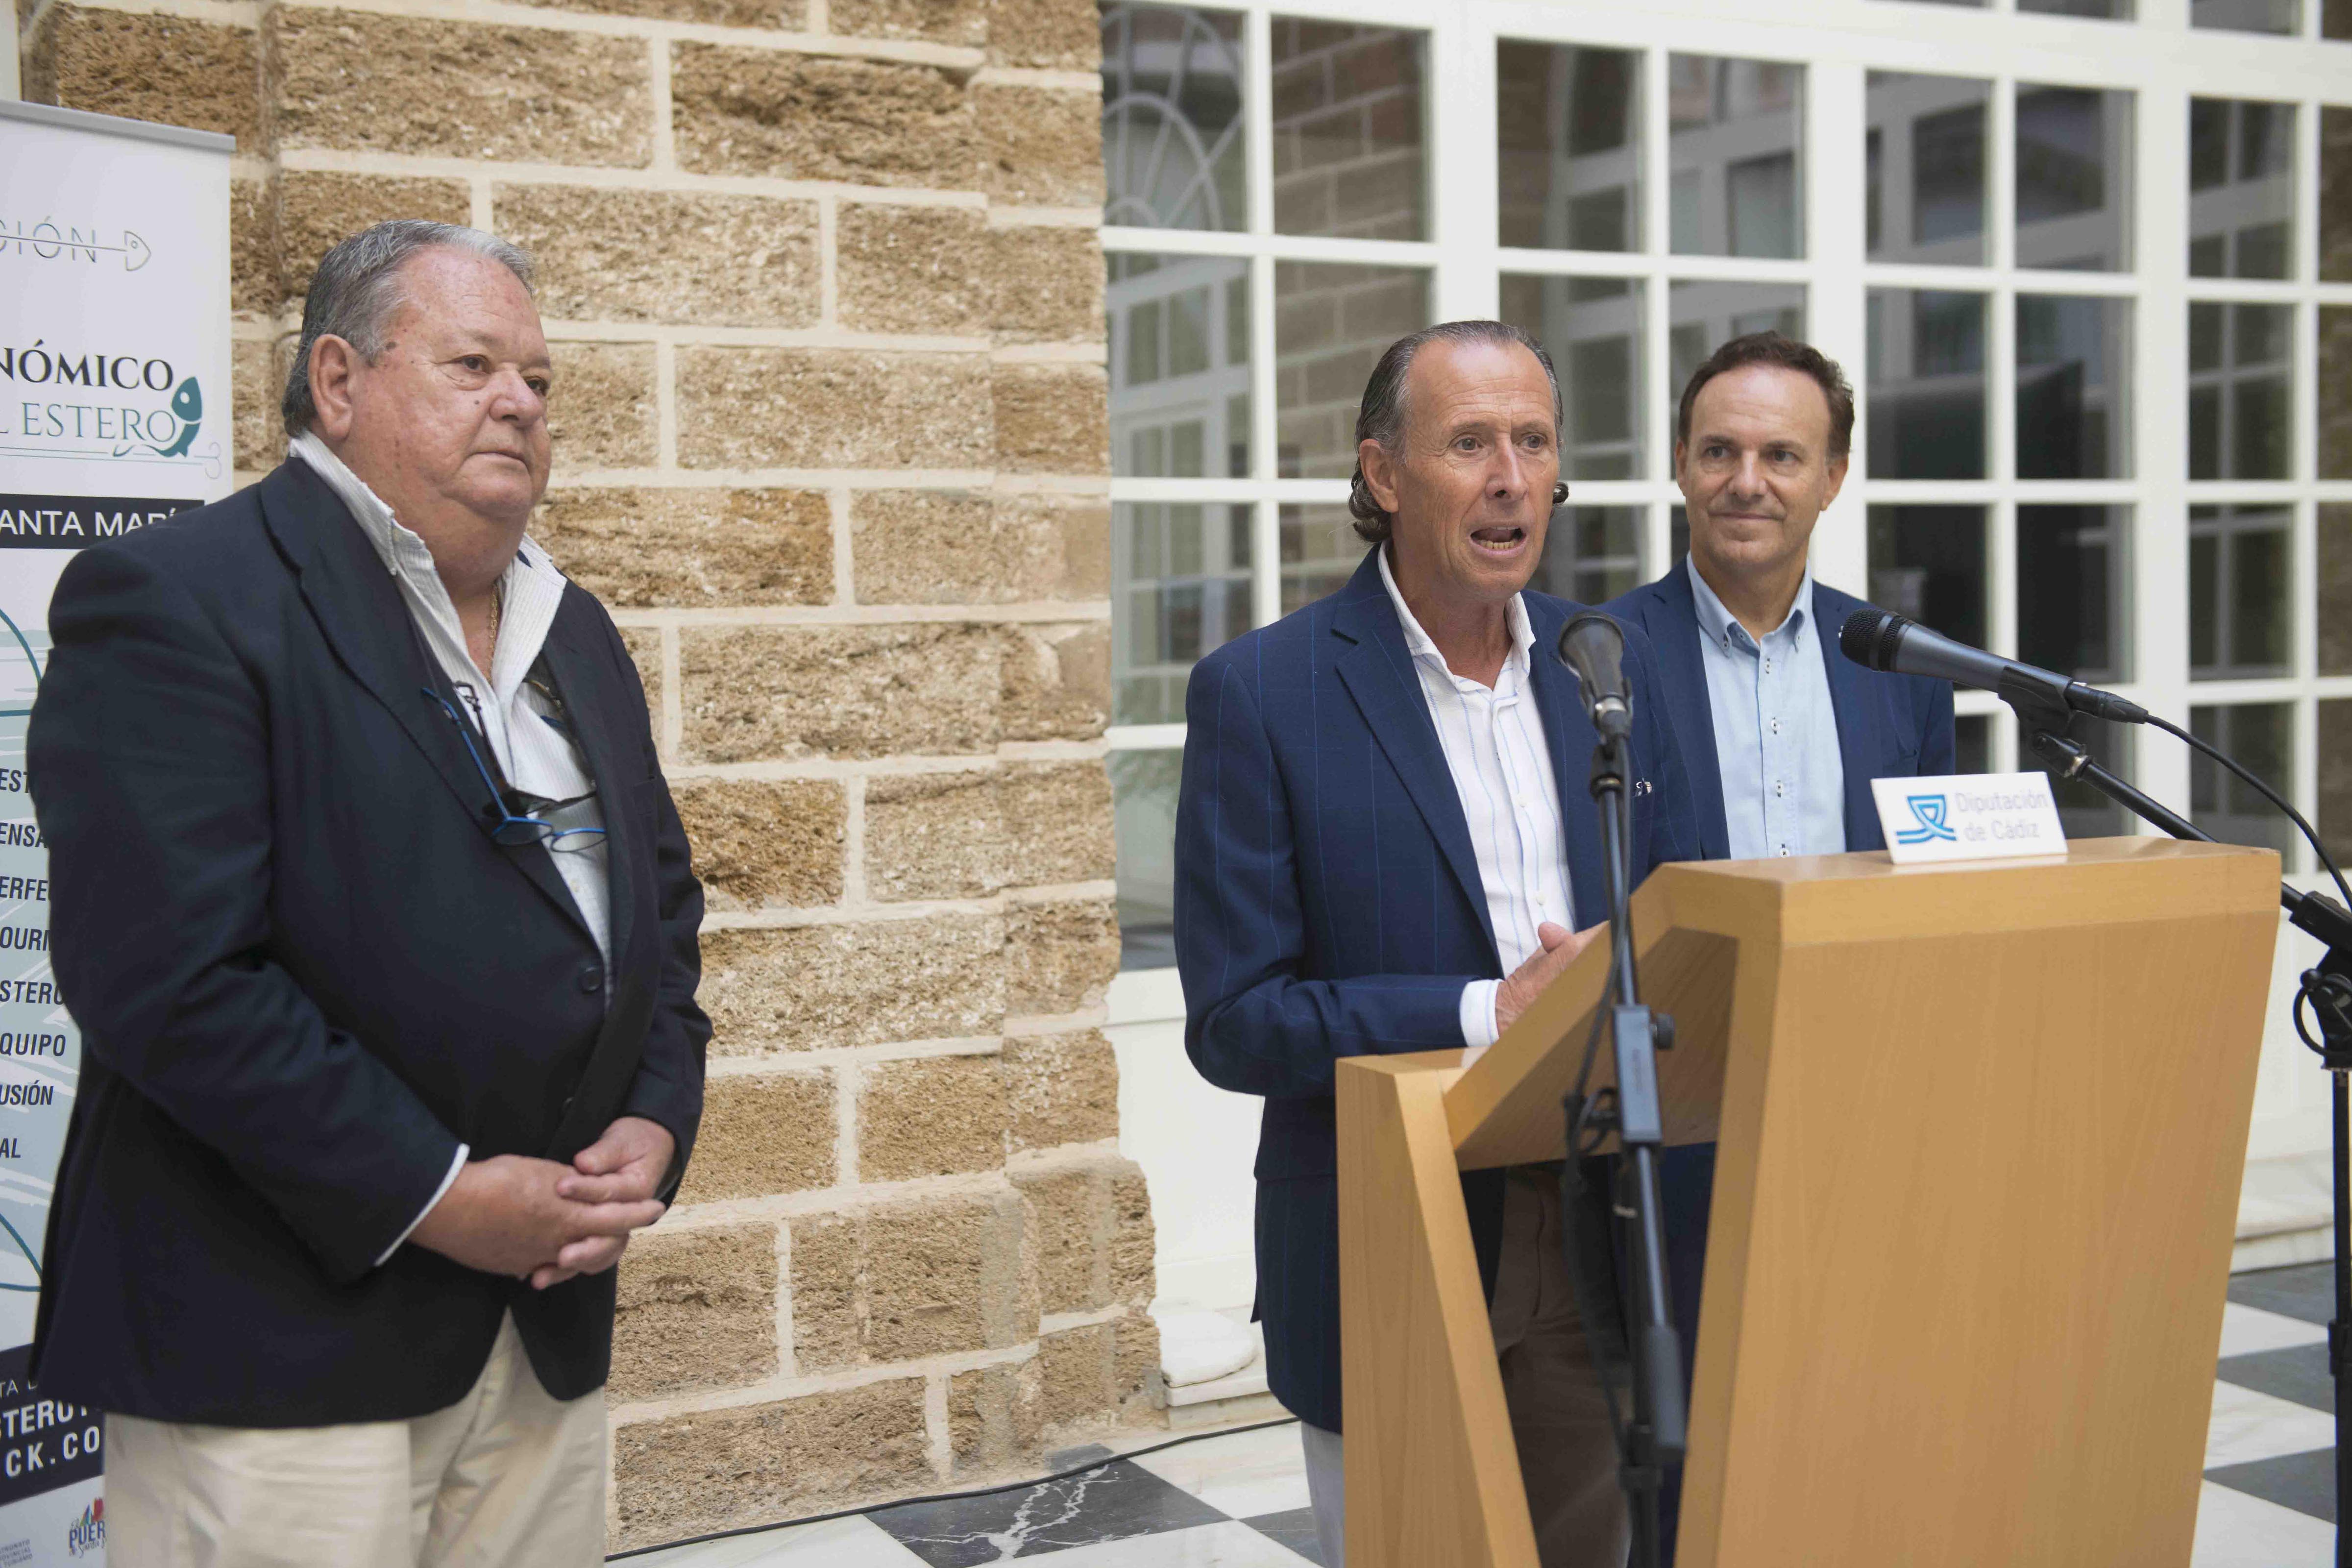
[
  {"x": 1939, "y": 739},
  {"x": 148, "y": 753},
  {"x": 1253, "y": 1024},
  {"x": 668, "y": 1088},
  {"x": 1673, "y": 825}
]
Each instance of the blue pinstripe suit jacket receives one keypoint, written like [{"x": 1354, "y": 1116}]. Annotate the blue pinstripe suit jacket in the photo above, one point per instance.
[{"x": 1328, "y": 904}]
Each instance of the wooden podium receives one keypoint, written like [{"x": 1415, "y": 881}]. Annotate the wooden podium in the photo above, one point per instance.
[{"x": 1982, "y": 1128}]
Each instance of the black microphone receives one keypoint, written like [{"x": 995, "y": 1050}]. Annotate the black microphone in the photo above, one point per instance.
[
  {"x": 1593, "y": 648},
  {"x": 1881, "y": 640}
]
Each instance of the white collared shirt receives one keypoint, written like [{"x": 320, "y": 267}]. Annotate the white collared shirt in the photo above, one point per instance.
[
  {"x": 1494, "y": 742},
  {"x": 1776, "y": 735},
  {"x": 517, "y": 722}
]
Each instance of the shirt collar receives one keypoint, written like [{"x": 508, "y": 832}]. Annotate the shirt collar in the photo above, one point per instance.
[
  {"x": 1717, "y": 625},
  {"x": 1422, "y": 646}
]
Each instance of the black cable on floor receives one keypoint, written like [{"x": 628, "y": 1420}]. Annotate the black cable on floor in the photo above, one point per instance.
[{"x": 956, "y": 1497}]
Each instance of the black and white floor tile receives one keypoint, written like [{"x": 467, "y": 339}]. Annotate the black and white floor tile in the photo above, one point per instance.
[{"x": 1238, "y": 1499}]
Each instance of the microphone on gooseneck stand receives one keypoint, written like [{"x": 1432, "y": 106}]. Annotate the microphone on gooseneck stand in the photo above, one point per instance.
[
  {"x": 1879, "y": 641},
  {"x": 1593, "y": 648}
]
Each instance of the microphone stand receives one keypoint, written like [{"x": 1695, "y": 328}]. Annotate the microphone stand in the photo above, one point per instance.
[
  {"x": 2328, "y": 990},
  {"x": 1654, "y": 1436}
]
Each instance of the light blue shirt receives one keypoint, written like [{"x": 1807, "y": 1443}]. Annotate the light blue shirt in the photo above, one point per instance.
[{"x": 1776, "y": 739}]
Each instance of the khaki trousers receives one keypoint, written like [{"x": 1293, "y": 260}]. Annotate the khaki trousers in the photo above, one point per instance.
[
  {"x": 1560, "y": 1417},
  {"x": 506, "y": 1478}
]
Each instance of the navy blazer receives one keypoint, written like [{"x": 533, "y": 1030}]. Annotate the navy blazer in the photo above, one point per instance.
[
  {"x": 1328, "y": 904},
  {"x": 304, "y": 974},
  {"x": 1889, "y": 726}
]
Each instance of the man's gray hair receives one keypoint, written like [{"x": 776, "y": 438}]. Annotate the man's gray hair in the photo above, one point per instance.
[
  {"x": 1382, "y": 415},
  {"x": 356, "y": 289}
]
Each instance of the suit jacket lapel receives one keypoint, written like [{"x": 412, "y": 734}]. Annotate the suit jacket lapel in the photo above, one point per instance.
[
  {"x": 1571, "y": 738},
  {"x": 1672, "y": 626},
  {"x": 1862, "y": 724},
  {"x": 367, "y": 624},
  {"x": 591, "y": 699},
  {"x": 1378, "y": 672}
]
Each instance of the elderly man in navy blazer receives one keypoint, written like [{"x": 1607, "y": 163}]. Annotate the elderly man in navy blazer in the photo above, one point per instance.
[
  {"x": 1383, "y": 843},
  {"x": 1782, "y": 731}
]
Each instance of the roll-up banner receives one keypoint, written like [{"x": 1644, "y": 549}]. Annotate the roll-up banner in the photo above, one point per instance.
[{"x": 114, "y": 413}]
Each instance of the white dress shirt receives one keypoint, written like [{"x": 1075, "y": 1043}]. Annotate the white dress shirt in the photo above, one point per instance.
[
  {"x": 1493, "y": 742},
  {"x": 514, "y": 717}
]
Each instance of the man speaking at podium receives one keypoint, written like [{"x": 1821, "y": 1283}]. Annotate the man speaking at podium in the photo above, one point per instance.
[
  {"x": 1782, "y": 732},
  {"x": 1383, "y": 843}
]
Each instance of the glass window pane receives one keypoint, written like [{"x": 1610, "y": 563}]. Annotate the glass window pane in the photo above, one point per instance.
[
  {"x": 2241, "y": 188},
  {"x": 2334, "y": 605},
  {"x": 2240, "y": 574},
  {"x": 1972, "y": 744},
  {"x": 1928, "y": 562},
  {"x": 1320, "y": 551},
  {"x": 2334, "y": 818},
  {"x": 1702, "y": 315},
  {"x": 1593, "y": 329},
  {"x": 1926, "y": 381},
  {"x": 2073, "y": 178},
  {"x": 2109, "y": 10},
  {"x": 1173, "y": 153},
  {"x": 2260, "y": 737},
  {"x": 1569, "y": 143},
  {"x": 1181, "y": 578},
  {"x": 1736, "y": 139},
  {"x": 2246, "y": 16},
  {"x": 1927, "y": 193},
  {"x": 1591, "y": 553},
  {"x": 1331, "y": 324},
  {"x": 2073, "y": 411},
  {"x": 1347, "y": 134},
  {"x": 2335, "y": 193},
  {"x": 2082, "y": 811},
  {"x": 2239, "y": 406},
  {"x": 1143, "y": 819},
  {"x": 2335, "y": 391},
  {"x": 1180, "y": 382},
  {"x": 2336, "y": 19},
  {"x": 2072, "y": 568}
]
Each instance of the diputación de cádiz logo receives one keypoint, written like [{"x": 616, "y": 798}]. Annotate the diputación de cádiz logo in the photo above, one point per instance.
[{"x": 1929, "y": 812}]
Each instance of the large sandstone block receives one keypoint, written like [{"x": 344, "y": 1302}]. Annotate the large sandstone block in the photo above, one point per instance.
[
  {"x": 764, "y": 843},
  {"x": 961, "y": 23},
  {"x": 692, "y": 548},
  {"x": 1052, "y": 419},
  {"x": 1089, "y": 1233},
  {"x": 1046, "y": 285},
  {"x": 956, "y": 547},
  {"x": 812, "y": 986},
  {"x": 643, "y": 646},
  {"x": 931, "y": 1277},
  {"x": 930, "y": 1116},
  {"x": 697, "y": 1310},
  {"x": 603, "y": 413},
  {"x": 841, "y": 691},
  {"x": 147, "y": 65},
  {"x": 1057, "y": 681},
  {"x": 968, "y": 835},
  {"x": 427, "y": 86},
  {"x": 257, "y": 372},
  {"x": 789, "y": 16},
  {"x": 833, "y": 408},
  {"x": 1062, "y": 955},
  {"x": 1097, "y": 1373},
  {"x": 252, "y": 248},
  {"x": 688, "y": 1475},
  {"x": 1044, "y": 34},
  {"x": 1043, "y": 145},
  {"x": 913, "y": 269},
  {"x": 995, "y": 1413},
  {"x": 665, "y": 256},
  {"x": 762, "y": 1133},
  {"x": 319, "y": 209},
  {"x": 1061, "y": 1089},
  {"x": 807, "y": 117}
]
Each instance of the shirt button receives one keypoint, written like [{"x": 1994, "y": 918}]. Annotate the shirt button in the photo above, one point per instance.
[
  {"x": 591, "y": 977},
  {"x": 1776, "y": 726}
]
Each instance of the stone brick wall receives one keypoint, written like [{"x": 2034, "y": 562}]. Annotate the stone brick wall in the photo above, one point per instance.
[{"x": 824, "y": 290}]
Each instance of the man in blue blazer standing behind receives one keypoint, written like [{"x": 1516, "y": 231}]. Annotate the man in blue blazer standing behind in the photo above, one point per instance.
[
  {"x": 1782, "y": 731},
  {"x": 1383, "y": 843}
]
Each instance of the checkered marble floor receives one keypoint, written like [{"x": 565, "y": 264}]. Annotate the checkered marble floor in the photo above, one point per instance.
[{"x": 1239, "y": 1500}]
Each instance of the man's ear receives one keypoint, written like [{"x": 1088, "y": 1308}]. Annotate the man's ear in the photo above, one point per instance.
[
  {"x": 1379, "y": 473},
  {"x": 1834, "y": 481},
  {"x": 332, "y": 362}
]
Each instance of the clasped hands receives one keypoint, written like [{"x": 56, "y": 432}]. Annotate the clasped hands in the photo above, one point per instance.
[{"x": 547, "y": 1222}]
